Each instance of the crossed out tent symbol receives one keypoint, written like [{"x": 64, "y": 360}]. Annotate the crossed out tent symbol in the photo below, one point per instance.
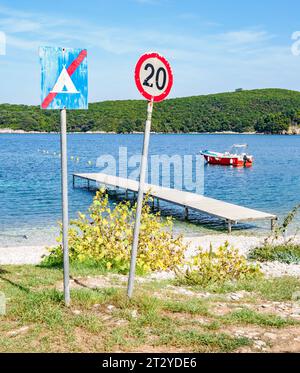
[{"x": 64, "y": 83}]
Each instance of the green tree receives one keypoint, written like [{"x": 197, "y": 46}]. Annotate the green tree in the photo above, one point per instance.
[
  {"x": 263, "y": 110},
  {"x": 273, "y": 123}
]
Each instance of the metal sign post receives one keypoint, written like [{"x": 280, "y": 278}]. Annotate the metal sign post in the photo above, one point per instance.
[
  {"x": 140, "y": 200},
  {"x": 154, "y": 80},
  {"x": 65, "y": 209},
  {"x": 64, "y": 85}
]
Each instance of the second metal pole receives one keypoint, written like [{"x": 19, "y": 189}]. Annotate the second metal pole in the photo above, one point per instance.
[
  {"x": 65, "y": 214},
  {"x": 140, "y": 201}
]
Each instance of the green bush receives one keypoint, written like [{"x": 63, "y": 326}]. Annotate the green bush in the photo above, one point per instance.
[
  {"x": 105, "y": 237},
  {"x": 286, "y": 253},
  {"x": 225, "y": 264}
]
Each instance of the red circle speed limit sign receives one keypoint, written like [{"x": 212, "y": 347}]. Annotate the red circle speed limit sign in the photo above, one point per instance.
[{"x": 153, "y": 77}]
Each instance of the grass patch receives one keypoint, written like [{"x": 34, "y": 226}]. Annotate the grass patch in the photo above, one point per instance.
[
  {"x": 84, "y": 268},
  {"x": 274, "y": 289},
  {"x": 90, "y": 323},
  {"x": 30, "y": 276},
  {"x": 285, "y": 253},
  {"x": 247, "y": 316},
  {"x": 87, "y": 298},
  {"x": 41, "y": 307},
  {"x": 191, "y": 306},
  {"x": 214, "y": 325},
  {"x": 203, "y": 342}
]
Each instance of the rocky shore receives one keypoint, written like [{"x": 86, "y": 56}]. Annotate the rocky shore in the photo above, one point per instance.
[{"x": 292, "y": 131}]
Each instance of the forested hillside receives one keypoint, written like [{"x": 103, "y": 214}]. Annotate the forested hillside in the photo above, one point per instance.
[{"x": 267, "y": 110}]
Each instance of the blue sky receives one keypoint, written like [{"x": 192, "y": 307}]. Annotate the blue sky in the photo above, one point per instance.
[{"x": 213, "y": 46}]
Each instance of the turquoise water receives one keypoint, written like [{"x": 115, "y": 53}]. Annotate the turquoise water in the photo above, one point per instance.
[{"x": 30, "y": 178}]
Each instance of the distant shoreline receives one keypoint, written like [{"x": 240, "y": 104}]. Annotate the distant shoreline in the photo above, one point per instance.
[
  {"x": 22, "y": 132},
  {"x": 258, "y": 111}
]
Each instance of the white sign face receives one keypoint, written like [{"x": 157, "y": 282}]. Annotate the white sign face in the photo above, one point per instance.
[{"x": 153, "y": 76}]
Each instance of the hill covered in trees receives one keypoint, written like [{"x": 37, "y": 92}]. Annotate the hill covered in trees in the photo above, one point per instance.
[{"x": 265, "y": 110}]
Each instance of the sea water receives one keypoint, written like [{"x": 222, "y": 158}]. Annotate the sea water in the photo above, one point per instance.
[{"x": 30, "y": 197}]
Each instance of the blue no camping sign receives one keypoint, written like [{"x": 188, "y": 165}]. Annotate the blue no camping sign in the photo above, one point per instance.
[
  {"x": 64, "y": 85},
  {"x": 64, "y": 78}
]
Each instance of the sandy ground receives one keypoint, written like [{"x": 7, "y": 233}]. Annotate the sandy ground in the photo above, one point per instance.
[{"x": 22, "y": 255}]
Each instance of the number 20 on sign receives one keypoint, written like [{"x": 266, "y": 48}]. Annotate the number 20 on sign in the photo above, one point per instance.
[
  {"x": 153, "y": 77},
  {"x": 154, "y": 80}
]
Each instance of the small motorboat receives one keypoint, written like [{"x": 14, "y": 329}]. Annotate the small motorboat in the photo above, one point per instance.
[{"x": 234, "y": 157}]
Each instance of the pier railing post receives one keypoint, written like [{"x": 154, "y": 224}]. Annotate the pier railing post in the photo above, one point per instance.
[
  {"x": 229, "y": 225},
  {"x": 186, "y": 213},
  {"x": 65, "y": 213},
  {"x": 136, "y": 232},
  {"x": 273, "y": 224}
]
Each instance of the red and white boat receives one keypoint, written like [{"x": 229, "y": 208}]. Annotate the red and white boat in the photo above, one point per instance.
[{"x": 234, "y": 157}]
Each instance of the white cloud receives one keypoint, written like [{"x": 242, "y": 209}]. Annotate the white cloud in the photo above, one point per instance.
[
  {"x": 6, "y": 11},
  {"x": 15, "y": 25},
  {"x": 26, "y": 30},
  {"x": 23, "y": 44},
  {"x": 245, "y": 37},
  {"x": 202, "y": 62}
]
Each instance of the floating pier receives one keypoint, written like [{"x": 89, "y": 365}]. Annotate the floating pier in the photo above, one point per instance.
[{"x": 230, "y": 213}]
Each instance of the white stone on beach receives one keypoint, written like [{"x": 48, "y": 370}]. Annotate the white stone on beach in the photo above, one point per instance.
[
  {"x": 271, "y": 336},
  {"x": 14, "y": 333},
  {"x": 134, "y": 314},
  {"x": 76, "y": 312}
]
